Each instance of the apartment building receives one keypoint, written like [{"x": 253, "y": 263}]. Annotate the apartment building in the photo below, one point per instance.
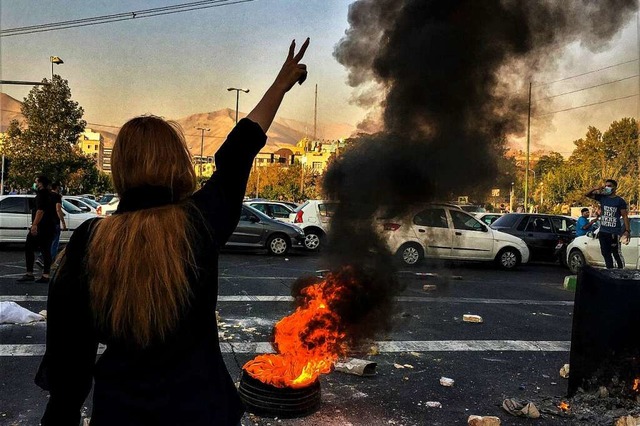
[{"x": 92, "y": 143}]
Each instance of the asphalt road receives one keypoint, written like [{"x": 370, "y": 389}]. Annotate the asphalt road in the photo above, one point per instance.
[{"x": 517, "y": 351}]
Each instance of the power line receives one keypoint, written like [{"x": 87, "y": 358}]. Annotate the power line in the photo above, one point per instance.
[
  {"x": 590, "y": 87},
  {"x": 105, "y": 19},
  {"x": 586, "y": 73},
  {"x": 587, "y": 105}
]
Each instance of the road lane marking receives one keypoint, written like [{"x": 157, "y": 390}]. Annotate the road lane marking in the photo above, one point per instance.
[
  {"x": 383, "y": 347},
  {"x": 271, "y": 298}
]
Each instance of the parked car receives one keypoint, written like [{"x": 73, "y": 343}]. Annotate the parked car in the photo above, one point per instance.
[
  {"x": 108, "y": 204},
  {"x": 470, "y": 208},
  {"x": 443, "y": 231},
  {"x": 15, "y": 216},
  {"x": 585, "y": 250},
  {"x": 257, "y": 230},
  {"x": 546, "y": 235},
  {"x": 275, "y": 209},
  {"x": 89, "y": 196},
  {"x": 487, "y": 218},
  {"x": 314, "y": 217},
  {"x": 87, "y": 205}
]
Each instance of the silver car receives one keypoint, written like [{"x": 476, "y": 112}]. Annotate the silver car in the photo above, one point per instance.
[{"x": 257, "y": 230}]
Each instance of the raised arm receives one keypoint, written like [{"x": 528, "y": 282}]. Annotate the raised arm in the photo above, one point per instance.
[
  {"x": 292, "y": 71},
  {"x": 593, "y": 193}
]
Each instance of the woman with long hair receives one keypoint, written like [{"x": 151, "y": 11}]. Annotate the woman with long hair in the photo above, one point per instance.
[{"x": 144, "y": 281}]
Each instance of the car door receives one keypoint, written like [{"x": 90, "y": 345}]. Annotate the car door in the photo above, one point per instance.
[
  {"x": 431, "y": 225},
  {"x": 631, "y": 251},
  {"x": 249, "y": 230},
  {"x": 540, "y": 237},
  {"x": 471, "y": 239},
  {"x": 16, "y": 218}
]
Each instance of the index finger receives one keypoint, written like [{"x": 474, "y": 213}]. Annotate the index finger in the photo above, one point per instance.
[{"x": 302, "y": 50}]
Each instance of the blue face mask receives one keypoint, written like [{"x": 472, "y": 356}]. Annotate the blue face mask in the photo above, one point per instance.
[{"x": 608, "y": 190}]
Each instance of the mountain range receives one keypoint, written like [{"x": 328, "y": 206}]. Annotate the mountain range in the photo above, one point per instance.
[{"x": 282, "y": 133}]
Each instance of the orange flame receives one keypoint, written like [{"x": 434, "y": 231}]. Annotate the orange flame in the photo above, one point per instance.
[
  {"x": 563, "y": 406},
  {"x": 636, "y": 384},
  {"x": 308, "y": 342}
]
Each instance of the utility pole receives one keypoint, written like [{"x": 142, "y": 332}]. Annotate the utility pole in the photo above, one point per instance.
[
  {"x": 526, "y": 172},
  {"x": 202, "y": 129},
  {"x": 315, "y": 116}
]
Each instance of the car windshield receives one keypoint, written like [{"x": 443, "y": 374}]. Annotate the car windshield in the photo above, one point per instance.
[
  {"x": 300, "y": 207},
  {"x": 106, "y": 198},
  {"x": 258, "y": 213},
  {"x": 70, "y": 208},
  {"x": 506, "y": 221},
  {"x": 91, "y": 202}
]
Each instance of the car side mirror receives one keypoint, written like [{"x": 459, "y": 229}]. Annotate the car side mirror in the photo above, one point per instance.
[
  {"x": 485, "y": 228},
  {"x": 254, "y": 219}
]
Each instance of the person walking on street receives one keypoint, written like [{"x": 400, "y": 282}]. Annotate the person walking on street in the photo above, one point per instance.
[
  {"x": 56, "y": 198},
  {"x": 144, "y": 281},
  {"x": 584, "y": 225},
  {"x": 614, "y": 222},
  {"x": 41, "y": 233},
  {"x": 61, "y": 224}
]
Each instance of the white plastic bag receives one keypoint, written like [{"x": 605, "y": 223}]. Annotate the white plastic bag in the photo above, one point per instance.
[{"x": 12, "y": 313}]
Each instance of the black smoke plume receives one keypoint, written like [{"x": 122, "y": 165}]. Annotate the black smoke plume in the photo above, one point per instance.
[{"x": 451, "y": 77}]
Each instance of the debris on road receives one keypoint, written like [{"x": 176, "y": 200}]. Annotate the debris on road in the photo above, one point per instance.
[
  {"x": 429, "y": 287},
  {"x": 564, "y": 371},
  {"x": 445, "y": 381},
  {"x": 628, "y": 421},
  {"x": 520, "y": 408},
  {"x": 433, "y": 404},
  {"x": 472, "y": 318},
  {"x": 483, "y": 421},
  {"x": 12, "y": 313},
  {"x": 355, "y": 366},
  {"x": 456, "y": 277}
]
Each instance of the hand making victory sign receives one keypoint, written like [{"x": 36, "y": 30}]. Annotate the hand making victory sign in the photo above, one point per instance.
[{"x": 292, "y": 70}]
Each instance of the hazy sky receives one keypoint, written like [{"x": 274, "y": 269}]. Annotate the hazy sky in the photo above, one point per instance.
[{"x": 182, "y": 64}]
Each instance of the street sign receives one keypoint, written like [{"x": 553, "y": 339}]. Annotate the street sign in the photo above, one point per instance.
[
  {"x": 463, "y": 200},
  {"x": 495, "y": 192}
]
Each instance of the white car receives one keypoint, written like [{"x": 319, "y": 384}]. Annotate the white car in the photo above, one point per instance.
[
  {"x": 275, "y": 209},
  {"x": 314, "y": 217},
  {"x": 87, "y": 205},
  {"x": 15, "y": 216},
  {"x": 108, "y": 204},
  {"x": 439, "y": 231},
  {"x": 585, "y": 250},
  {"x": 487, "y": 218}
]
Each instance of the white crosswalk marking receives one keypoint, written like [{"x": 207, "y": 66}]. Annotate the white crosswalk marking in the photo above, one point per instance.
[{"x": 383, "y": 347}]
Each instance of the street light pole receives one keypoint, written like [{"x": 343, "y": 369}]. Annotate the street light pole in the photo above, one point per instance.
[
  {"x": 202, "y": 129},
  {"x": 237, "y": 98},
  {"x": 55, "y": 60}
]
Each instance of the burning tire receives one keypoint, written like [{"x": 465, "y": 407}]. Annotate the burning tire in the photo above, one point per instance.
[
  {"x": 270, "y": 401},
  {"x": 278, "y": 245},
  {"x": 576, "y": 261},
  {"x": 410, "y": 254},
  {"x": 508, "y": 258}
]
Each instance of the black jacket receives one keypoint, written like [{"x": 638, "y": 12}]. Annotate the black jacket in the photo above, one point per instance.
[{"x": 179, "y": 381}]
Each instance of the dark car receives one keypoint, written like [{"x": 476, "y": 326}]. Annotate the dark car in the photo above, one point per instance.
[
  {"x": 546, "y": 235},
  {"x": 257, "y": 230}
]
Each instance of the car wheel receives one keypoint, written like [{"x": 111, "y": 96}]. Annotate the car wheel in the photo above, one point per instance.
[
  {"x": 278, "y": 245},
  {"x": 576, "y": 261},
  {"x": 508, "y": 258},
  {"x": 410, "y": 254},
  {"x": 312, "y": 240}
]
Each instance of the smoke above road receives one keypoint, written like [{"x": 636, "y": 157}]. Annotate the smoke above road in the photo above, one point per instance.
[{"x": 449, "y": 80}]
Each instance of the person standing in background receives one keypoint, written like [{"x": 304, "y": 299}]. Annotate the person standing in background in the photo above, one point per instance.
[
  {"x": 585, "y": 225},
  {"x": 614, "y": 222},
  {"x": 41, "y": 233}
]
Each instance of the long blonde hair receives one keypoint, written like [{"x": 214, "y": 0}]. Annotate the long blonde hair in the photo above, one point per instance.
[{"x": 138, "y": 261}]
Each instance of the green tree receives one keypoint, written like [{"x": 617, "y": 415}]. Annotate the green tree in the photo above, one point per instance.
[
  {"x": 45, "y": 144},
  {"x": 548, "y": 163}
]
